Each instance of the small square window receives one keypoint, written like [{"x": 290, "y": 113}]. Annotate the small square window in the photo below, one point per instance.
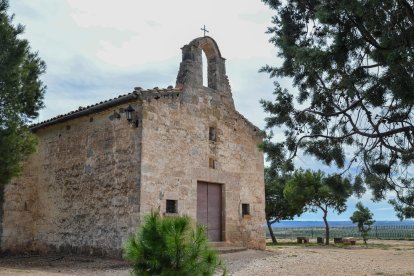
[
  {"x": 211, "y": 163},
  {"x": 212, "y": 134},
  {"x": 245, "y": 209},
  {"x": 171, "y": 206}
]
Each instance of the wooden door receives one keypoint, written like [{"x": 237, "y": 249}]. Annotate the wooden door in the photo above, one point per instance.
[{"x": 209, "y": 209}]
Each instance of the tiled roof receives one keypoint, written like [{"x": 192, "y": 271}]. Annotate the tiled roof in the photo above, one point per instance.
[{"x": 81, "y": 111}]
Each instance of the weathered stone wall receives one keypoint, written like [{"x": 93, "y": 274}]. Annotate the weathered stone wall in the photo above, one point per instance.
[
  {"x": 239, "y": 163},
  {"x": 175, "y": 155},
  {"x": 95, "y": 176},
  {"x": 80, "y": 191}
]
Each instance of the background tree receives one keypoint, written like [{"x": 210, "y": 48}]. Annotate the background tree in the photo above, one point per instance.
[
  {"x": 21, "y": 95},
  {"x": 314, "y": 191},
  {"x": 170, "y": 246},
  {"x": 352, "y": 63},
  {"x": 277, "y": 206},
  {"x": 363, "y": 218}
]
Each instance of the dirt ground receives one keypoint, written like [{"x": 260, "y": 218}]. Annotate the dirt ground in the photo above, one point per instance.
[
  {"x": 287, "y": 258},
  {"x": 380, "y": 258}
]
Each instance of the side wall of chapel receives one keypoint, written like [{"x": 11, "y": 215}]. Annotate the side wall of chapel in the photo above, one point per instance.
[{"x": 79, "y": 192}]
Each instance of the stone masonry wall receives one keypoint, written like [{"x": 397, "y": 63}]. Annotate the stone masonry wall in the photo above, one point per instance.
[
  {"x": 93, "y": 178},
  {"x": 175, "y": 155},
  {"x": 80, "y": 192}
]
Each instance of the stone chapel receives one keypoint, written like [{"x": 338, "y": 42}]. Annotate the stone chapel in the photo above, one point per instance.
[{"x": 181, "y": 150}]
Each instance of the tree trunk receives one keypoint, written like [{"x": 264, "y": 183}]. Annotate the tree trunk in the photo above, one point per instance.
[
  {"x": 1, "y": 213},
  {"x": 325, "y": 213},
  {"x": 269, "y": 225}
]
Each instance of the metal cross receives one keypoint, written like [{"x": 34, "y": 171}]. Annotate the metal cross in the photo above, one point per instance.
[{"x": 205, "y": 30}]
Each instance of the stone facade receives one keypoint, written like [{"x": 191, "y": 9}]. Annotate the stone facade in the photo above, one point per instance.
[{"x": 96, "y": 174}]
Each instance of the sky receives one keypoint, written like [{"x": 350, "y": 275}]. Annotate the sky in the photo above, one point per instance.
[{"x": 96, "y": 50}]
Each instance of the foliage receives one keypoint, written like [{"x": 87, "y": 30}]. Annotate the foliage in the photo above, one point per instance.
[
  {"x": 363, "y": 218},
  {"x": 21, "y": 95},
  {"x": 277, "y": 206},
  {"x": 352, "y": 63},
  {"x": 170, "y": 246},
  {"x": 314, "y": 191}
]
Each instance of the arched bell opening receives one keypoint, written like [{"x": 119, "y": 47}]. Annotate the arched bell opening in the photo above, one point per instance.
[
  {"x": 198, "y": 71},
  {"x": 204, "y": 62}
]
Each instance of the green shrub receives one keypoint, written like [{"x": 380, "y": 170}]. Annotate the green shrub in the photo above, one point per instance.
[
  {"x": 170, "y": 246},
  {"x": 363, "y": 218}
]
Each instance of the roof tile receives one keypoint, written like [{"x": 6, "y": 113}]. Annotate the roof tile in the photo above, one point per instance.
[{"x": 91, "y": 108}]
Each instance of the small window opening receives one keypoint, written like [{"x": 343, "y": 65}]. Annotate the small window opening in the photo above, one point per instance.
[
  {"x": 211, "y": 163},
  {"x": 212, "y": 134},
  {"x": 204, "y": 62},
  {"x": 171, "y": 206},
  {"x": 245, "y": 209}
]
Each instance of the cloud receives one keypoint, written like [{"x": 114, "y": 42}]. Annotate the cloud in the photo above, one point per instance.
[
  {"x": 153, "y": 23},
  {"x": 384, "y": 209},
  {"x": 26, "y": 10},
  {"x": 80, "y": 83},
  {"x": 259, "y": 17},
  {"x": 96, "y": 50}
]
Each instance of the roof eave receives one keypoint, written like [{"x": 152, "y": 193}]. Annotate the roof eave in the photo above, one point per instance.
[{"x": 86, "y": 111}]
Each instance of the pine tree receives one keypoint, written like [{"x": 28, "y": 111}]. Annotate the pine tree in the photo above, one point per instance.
[
  {"x": 352, "y": 63},
  {"x": 363, "y": 218},
  {"x": 21, "y": 95},
  {"x": 277, "y": 206},
  {"x": 313, "y": 191}
]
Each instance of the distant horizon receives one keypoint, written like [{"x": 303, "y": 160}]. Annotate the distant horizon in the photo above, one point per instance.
[
  {"x": 339, "y": 223},
  {"x": 297, "y": 220}
]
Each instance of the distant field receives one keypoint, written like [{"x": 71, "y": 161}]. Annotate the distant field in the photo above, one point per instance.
[{"x": 377, "y": 232}]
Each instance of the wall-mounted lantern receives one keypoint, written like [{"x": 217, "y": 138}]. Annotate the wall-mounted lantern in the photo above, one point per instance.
[{"x": 129, "y": 112}]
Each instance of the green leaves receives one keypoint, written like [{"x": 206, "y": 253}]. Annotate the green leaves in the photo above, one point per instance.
[
  {"x": 363, "y": 218},
  {"x": 15, "y": 144},
  {"x": 314, "y": 190},
  {"x": 277, "y": 206},
  {"x": 352, "y": 64},
  {"x": 21, "y": 96},
  {"x": 170, "y": 246}
]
